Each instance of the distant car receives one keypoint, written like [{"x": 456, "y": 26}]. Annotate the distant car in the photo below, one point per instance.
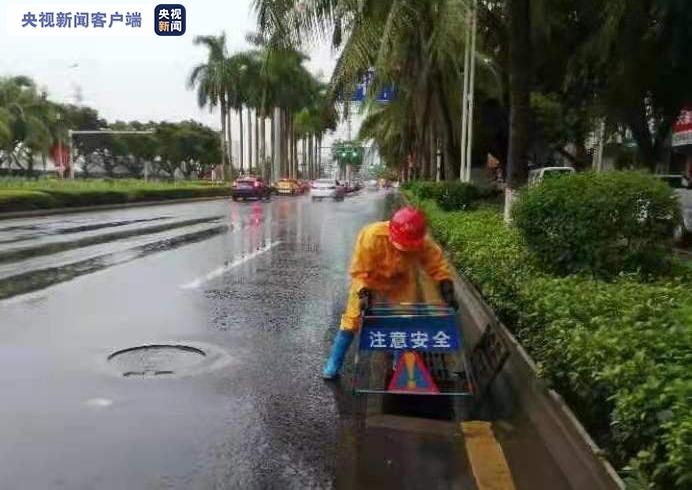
[
  {"x": 676, "y": 181},
  {"x": 683, "y": 232},
  {"x": 538, "y": 175},
  {"x": 681, "y": 185},
  {"x": 250, "y": 188},
  {"x": 289, "y": 187},
  {"x": 353, "y": 186},
  {"x": 304, "y": 186},
  {"x": 327, "y": 189},
  {"x": 372, "y": 185}
]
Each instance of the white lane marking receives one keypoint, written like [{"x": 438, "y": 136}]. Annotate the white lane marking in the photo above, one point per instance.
[
  {"x": 219, "y": 271},
  {"x": 99, "y": 402}
]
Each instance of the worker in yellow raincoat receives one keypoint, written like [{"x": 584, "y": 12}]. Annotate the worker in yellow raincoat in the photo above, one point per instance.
[{"x": 386, "y": 259}]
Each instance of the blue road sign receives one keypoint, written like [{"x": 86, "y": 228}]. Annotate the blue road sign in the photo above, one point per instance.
[
  {"x": 410, "y": 333},
  {"x": 359, "y": 94},
  {"x": 386, "y": 94}
]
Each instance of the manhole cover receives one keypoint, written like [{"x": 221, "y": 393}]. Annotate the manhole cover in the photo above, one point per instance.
[{"x": 159, "y": 360}]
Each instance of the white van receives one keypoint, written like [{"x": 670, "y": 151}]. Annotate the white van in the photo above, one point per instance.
[{"x": 538, "y": 175}]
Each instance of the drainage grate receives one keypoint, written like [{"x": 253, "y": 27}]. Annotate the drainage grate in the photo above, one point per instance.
[{"x": 437, "y": 365}]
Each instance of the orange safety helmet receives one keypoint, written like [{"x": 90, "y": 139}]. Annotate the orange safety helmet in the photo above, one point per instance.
[{"x": 407, "y": 229}]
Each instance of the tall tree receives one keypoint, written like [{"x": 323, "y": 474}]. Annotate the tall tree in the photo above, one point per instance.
[
  {"x": 25, "y": 122},
  {"x": 520, "y": 72},
  {"x": 212, "y": 81},
  {"x": 637, "y": 56}
]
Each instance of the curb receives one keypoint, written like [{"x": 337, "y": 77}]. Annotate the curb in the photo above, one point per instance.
[
  {"x": 103, "y": 207},
  {"x": 518, "y": 387}
]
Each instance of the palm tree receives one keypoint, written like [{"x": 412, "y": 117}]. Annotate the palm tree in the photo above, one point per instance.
[
  {"x": 411, "y": 44},
  {"x": 242, "y": 71},
  {"x": 212, "y": 82},
  {"x": 24, "y": 122}
]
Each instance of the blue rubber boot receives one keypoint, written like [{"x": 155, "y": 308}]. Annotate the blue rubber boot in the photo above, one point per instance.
[{"x": 342, "y": 342}]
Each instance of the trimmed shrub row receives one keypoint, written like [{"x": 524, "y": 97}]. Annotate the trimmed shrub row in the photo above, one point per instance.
[
  {"x": 618, "y": 351},
  {"x": 602, "y": 223},
  {"x": 450, "y": 196},
  {"x": 50, "y": 198}
]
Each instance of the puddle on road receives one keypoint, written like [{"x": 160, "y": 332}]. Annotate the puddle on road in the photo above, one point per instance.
[{"x": 154, "y": 360}]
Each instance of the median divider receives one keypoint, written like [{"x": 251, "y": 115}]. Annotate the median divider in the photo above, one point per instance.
[
  {"x": 35, "y": 196},
  {"x": 48, "y": 211},
  {"x": 518, "y": 392},
  {"x": 519, "y": 395}
]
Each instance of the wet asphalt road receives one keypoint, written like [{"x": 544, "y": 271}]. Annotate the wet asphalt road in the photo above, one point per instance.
[{"x": 259, "y": 287}]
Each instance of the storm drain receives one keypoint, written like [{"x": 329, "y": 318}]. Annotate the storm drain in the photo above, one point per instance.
[{"x": 158, "y": 360}]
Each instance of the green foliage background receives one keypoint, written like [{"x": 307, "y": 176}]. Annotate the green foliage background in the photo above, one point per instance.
[{"x": 618, "y": 351}]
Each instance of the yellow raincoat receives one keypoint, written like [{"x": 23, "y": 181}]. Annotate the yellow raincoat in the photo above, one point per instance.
[{"x": 390, "y": 273}]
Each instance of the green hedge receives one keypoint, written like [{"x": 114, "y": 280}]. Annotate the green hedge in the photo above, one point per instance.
[
  {"x": 18, "y": 200},
  {"x": 603, "y": 223},
  {"x": 618, "y": 351},
  {"x": 51, "y": 197},
  {"x": 450, "y": 196}
]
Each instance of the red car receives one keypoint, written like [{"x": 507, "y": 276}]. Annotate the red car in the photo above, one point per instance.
[{"x": 250, "y": 188}]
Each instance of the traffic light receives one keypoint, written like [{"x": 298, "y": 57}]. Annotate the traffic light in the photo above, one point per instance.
[{"x": 348, "y": 152}]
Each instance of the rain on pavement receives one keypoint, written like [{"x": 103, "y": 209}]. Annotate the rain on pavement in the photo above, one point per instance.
[{"x": 258, "y": 287}]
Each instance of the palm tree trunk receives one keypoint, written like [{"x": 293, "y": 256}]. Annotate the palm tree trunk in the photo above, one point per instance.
[
  {"x": 224, "y": 159},
  {"x": 314, "y": 156},
  {"x": 294, "y": 149},
  {"x": 249, "y": 139},
  {"x": 272, "y": 131},
  {"x": 229, "y": 140},
  {"x": 289, "y": 150},
  {"x": 289, "y": 143},
  {"x": 304, "y": 156},
  {"x": 263, "y": 147},
  {"x": 310, "y": 155},
  {"x": 296, "y": 161},
  {"x": 283, "y": 144},
  {"x": 242, "y": 140},
  {"x": 259, "y": 163},
  {"x": 279, "y": 118},
  {"x": 318, "y": 157},
  {"x": 30, "y": 165},
  {"x": 286, "y": 145}
]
